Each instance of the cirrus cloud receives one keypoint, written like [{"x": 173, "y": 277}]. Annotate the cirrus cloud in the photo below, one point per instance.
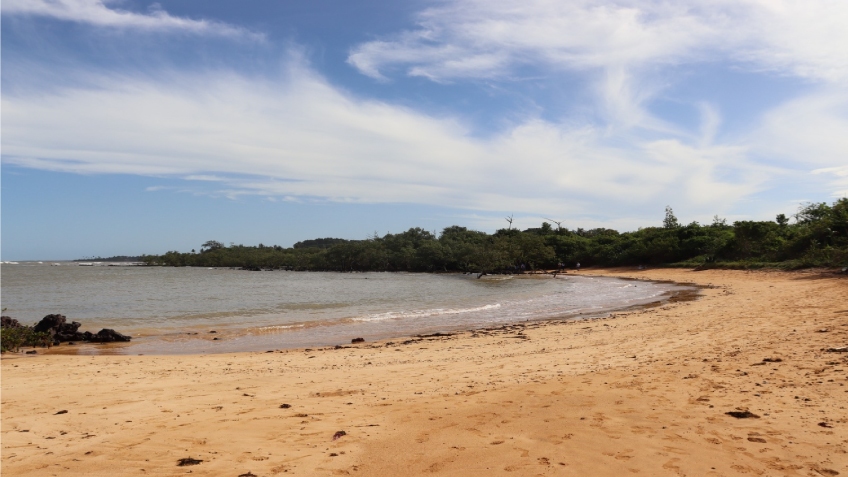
[{"x": 98, "y": 13}]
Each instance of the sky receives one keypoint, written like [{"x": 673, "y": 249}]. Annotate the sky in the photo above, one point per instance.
[{"x": 132, "y": 127}]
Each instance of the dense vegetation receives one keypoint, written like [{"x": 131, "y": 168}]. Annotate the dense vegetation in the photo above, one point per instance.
[
  {"x": 12, "y": 338},
  {"x": 818, "y": 236},
  {"x": 116, "y": 258}
]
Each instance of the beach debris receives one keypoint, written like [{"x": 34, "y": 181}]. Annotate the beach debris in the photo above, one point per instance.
[
  {"x": 843, "y": 349},
  {"x": 358, "y": 340},
  {"x": 285, "y": 406},
  {"x": 823, "y": 330},
  {"x": 63, "y": 411},
  {"x": 339, "y": 434},
  {"x": 823, "y": 471},
  {"x": 742, "y": 414},
  {"x": 188, "y": 461}
]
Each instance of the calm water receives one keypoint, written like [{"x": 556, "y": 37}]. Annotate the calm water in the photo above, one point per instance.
[{"x": 172, "y": 310}]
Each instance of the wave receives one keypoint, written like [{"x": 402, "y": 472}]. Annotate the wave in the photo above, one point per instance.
[{"x": 393, "y": 315}]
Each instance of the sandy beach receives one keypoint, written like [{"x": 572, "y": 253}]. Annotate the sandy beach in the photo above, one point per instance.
[{"x": 643, "y": 392}]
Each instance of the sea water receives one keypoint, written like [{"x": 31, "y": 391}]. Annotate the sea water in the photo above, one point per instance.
[{"x": 176, "y": 310}]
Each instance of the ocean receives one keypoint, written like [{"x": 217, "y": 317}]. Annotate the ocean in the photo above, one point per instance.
[{"x": 181, "y": 310}]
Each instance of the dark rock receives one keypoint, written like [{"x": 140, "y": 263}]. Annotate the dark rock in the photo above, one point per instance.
[
  {"x": 59, "y": 330},
  {"x": 358, "y": 340},
  {"x": 32, "y": 352},
  {"x": 285, "y": 406},
  {"x": 248, "y": 474},
  {"x": 63, "y": 411},
  {"x": 106, "y": 335},
  {"x": 9, "y": 322},
  {"x": 757, "y": 439},
  {"x": 188, "y": 461},
  {"x": 68, "y": 332},
  {"x": 49, "y": 324},
  {"x": 339, "y": 434},
  {"x": 742, "y": 414}
]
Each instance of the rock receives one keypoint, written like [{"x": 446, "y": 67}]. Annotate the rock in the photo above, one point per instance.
[
  {"x": 32, "y": 352},
  {"x": 68, "y": 332},
  {"x": 59, "y": 330},
  {"x": 843, "y": 349},
  {"x": 49, "y": 324},
  {"x": 105, "y": 335},
  {"x": 358, "y": 340},
  {"x": 188, "y": 461},
  {"x": 339, "y": 434},
  {"x": 63, "y": 411},
  {"x": 742, "y": 414},
  {"x": 285, "y": 406},
  {"x": 9, "y": 322}
]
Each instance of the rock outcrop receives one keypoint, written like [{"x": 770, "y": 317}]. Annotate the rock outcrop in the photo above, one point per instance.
[
  {"x": 61, "y": 331},
  {"x": 9, "y": 322}
]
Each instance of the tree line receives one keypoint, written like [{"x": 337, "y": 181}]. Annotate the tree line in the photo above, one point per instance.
[{"x": 818, "y": 236}]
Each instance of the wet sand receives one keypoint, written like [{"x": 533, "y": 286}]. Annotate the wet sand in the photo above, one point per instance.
[{"x": 645, "y": 392}]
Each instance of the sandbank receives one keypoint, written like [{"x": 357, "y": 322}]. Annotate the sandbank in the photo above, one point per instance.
[{"x": 643, "y": 392}]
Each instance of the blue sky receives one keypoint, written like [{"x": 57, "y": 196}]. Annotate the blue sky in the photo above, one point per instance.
[{"x": 135, "y": 127}]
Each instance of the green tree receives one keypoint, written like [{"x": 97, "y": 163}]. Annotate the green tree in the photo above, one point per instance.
[{"x": 670, "y": 221}]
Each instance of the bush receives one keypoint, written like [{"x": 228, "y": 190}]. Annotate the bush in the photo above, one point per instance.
[{"x": 12, "y": 339}]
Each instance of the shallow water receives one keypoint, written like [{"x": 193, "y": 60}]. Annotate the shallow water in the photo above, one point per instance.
[{"x": 173, "y": 310}]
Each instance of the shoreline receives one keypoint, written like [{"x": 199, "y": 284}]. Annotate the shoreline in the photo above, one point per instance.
[
  {"x": 644, "y": 391},
  {"x": 690, "y": 292}
]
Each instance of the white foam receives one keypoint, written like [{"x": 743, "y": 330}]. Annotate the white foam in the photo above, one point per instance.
[{"x": 393, "y": 315}]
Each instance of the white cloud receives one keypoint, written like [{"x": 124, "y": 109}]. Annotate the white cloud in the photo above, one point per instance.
[
  {"x": 299, "y": 138},
  {"x": 492, "y": 38},
  {"x": 809, "y": 131},
  {"x": 618, "y": 48},
  {"x": 840, "y": 180},
  {"x": 99, "y": 13}
]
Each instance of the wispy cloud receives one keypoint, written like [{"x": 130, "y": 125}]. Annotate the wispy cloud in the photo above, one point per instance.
[
  {"x": 618, "y": 48},
  {"x": 492, "y": 38},
  {"x": 300, "y": 138},
  {"x": 101, "y": 13}
]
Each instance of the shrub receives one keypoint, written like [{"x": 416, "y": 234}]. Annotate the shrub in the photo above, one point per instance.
[{"x": 12, "y": 339}]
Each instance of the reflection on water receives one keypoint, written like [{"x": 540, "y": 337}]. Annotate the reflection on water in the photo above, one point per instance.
[{"x": 173, "y": 310}]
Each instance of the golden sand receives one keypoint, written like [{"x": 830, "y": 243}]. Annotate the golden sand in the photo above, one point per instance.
[{"x": 644, "y": 392}]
